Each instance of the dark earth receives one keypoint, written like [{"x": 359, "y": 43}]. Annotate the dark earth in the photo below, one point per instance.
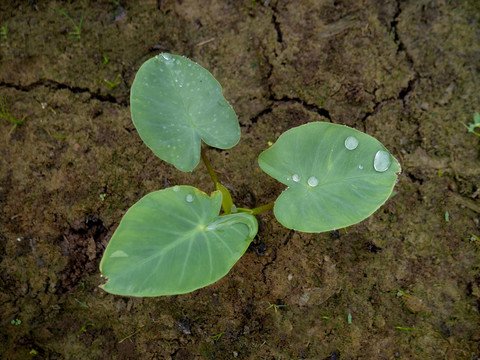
[{"x": 402, "y": 284}]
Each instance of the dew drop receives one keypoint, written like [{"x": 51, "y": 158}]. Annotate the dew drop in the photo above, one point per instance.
[
  {"x": 382, "y": 161},
  {"x": 296, "y": 177},
  {"x": 166, "y": 56},
  {"x": 360, "y": 167},
  {"x": 233, "y": 209},
  {"x": 176, "y": 188},
  {"x": 189, "y": 198},
  {"x": 312, "y": 181},
  {"x": 351, "y": 143},
  {"x": 180, "y": 85}
]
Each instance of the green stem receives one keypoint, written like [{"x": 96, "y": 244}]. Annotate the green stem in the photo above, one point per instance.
[
  {"x": 263, "y": 208},
  {"x": 209, "y": 167},
  {"x": 227, "y": 198}
]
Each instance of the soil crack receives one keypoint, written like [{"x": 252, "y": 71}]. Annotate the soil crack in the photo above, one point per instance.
[{"x": 55, "y": 85}]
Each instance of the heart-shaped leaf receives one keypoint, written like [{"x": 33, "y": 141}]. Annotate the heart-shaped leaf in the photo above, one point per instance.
[
  {"x": 175, "y": 104},
  {"x": 172, "y": 241},
  {"x": 336, "y": 176}
]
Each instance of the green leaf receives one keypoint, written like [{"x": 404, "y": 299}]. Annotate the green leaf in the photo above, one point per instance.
[
  {"x": 175, "y": 104},
  {"x": 172, "y": 241},
  {"x": 336, "y": 176}
]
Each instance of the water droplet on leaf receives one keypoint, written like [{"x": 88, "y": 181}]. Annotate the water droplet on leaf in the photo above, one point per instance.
[
  {"x": 189, "y": 198},
  {"x": 166, "y": 56},
  {"x": 351, "y": 143},
  {"x": 296, "y": 177},
  {"x": 382, "y": 161},
  {"x": 312, "y": 181},
  {"x": 360, "y": 167},
  {"x": 176, "y": 188}
]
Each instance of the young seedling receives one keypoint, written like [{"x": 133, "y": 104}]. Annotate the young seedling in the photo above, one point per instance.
[
  {"x": 114, "y": 83},
  {"x": 471, "y": 127},
  {"x": 6, "y": 114},
  {"x": 179, "y": 239},
  {"x": 77, "y": 33},
  {"x": 3, "y": 32}
]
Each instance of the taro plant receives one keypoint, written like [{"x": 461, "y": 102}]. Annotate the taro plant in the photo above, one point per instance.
[{"x": 179, "y": 239}]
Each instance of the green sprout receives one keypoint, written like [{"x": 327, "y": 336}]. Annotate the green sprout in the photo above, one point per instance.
[
  {"x": 472, "y": 126},
  {"x": 179, "y": 239},
  {"x": 77, "y": 33},
  {"x": 84, "y": 327},
  {"x": 3, "y": 32},
  {"x": 114, "y": 83},
  {"x": 82, "y": 304},
  {"x": 407, "y": 329},
  {"x": 275, "y": 307},
  {"x": 218, "y": 336},
  {"x": 16, "y": 322},
  {"x": 6, "y": 114}
]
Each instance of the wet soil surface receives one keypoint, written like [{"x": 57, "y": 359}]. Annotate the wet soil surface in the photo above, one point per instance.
[{"x": 403, "y": 284}]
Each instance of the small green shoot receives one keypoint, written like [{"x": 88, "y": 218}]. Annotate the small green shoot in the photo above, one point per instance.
[
  {"x": 349, "y": 319},
  {"x": 77, "y": 33},
  {"x": 6, "y": 114},
  {"x": 16, "y": 322},
  {"x": 84, "y": 327},
  {"x": 82, "y": 304},
  {"x": 325, "y": 317},
  {"x": 102, "y": 196},
  {"x": 114, "y": 83},
  {"x": 407, "y": 329},
  {"x": 3, "y": 32},
  {"x": 105, "y": 58},
  {"x": 447, "y": 216},
  {"x": 218, "y": 336},
  {"x": 33, "y": 352},
  {"x": 132, "y": 334},
  {"x": 275, "y": 307},
  {"x": 471, "y": 127}
]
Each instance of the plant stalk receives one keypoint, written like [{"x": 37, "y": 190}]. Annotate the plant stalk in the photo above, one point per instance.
[{"x": 209, "y": 167}]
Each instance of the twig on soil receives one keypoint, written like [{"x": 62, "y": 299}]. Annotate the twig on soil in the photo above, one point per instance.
[{"x": 205, "y": 42}]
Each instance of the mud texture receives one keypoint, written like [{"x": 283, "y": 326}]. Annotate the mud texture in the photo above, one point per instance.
[{"x": 403, "y": 284}]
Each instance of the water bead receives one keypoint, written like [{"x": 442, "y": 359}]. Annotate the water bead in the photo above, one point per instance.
[
  {"x": 351, "y": 143},
  {"x": 382, "y": 161},
  {"x": 312, "y": 181}
]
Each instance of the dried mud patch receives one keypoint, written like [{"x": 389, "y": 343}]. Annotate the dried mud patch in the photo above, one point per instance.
[{"x": 402, "y": 284}]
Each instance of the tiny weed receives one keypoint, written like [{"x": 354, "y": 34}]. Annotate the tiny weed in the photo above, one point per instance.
[
  {"x": 275, "y": 306},
  {"x": 105, "y": 58},
  {"x": 112, "y": 84},
  {"x": 16, "y": 322},
  {"x": 84, "y": 327},
  {"x": 218, "y": 336},
  {"x": 407, "y": 328},
  {"x": 33, "y": 352},
  {"x": 6, "y": 114},
  {"x": 77, "y": 33},
  {"x": 3, "y": 32},
  {"x": 129, "y": 336},
  {"x": 471, "y": 127},
  {"x": 349, "y": 319},
  {"x": 447, "y": 216},
  {"x": 82, "y": 304}
]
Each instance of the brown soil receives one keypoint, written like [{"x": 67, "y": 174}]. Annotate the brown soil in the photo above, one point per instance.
[{"x": 408, "y": 278}]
